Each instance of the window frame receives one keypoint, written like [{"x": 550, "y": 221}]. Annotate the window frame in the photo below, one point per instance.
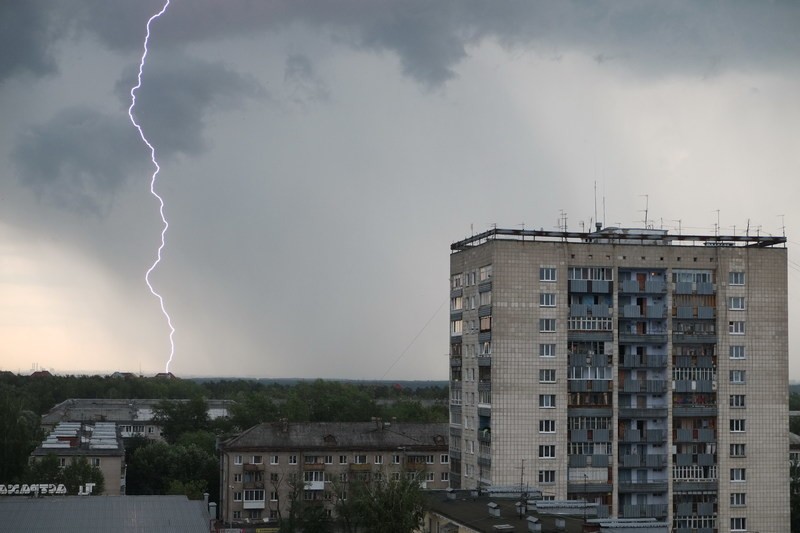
[
  {"x": 548, "y": 274},
  {"x": 547, "y": 401},
  {"x": 547, "y": 299},
  {"x": 545, "y": 324}
]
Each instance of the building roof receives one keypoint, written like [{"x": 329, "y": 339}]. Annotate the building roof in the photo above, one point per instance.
[
  {"x": 77, "y": 438},
  {"x": 100, "y": 514},
  {"x": 473, "y": 512},
  {"x": 611, "y": 235},
  {"x": 341, "y": 436},
  {"x": 130, "y": 411}
]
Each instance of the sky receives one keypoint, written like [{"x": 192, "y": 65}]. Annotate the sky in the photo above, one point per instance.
[{"x": 318, "y": 158}]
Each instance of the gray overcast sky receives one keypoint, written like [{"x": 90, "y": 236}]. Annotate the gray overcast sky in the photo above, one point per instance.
[{"x": 319, "y": 157}]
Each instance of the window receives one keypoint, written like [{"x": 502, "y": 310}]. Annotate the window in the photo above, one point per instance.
[
  {"x": 547, "y": 400},
  {"x": 547, "y": 274},
  {"x": 547, "y": 299},
  {"x": 736, "y": 278},
  {"x": 444, "y": 459},
  {"x": 251, "y": 495},
  {"x": 736, "y": 327},
  {"x": 486, "y": 298},
  {"x": 547, "y": 476},
  {"x": 738, "y": 474},
  {"x": 738, "y": 450},
  {"x": 378, "y": 459},
  {"x": 328, "y": 459},
  {"x": 738, "y": 524},
  {"x": 547, "y": 426},
  {"x": 547, "y": 325},
  {"x": 273, "y": 476},
  {"x": 237, "y": 460},
  {"x": 273, "y": 513},
  {"x": 273, "y": 459},
  {"x": 237, "y": 478},
  {"x": 738, "y": 499},
  {"x": 456, "y": 303},
  {"x": 485, "y": 273},
  {"x": 486, "y": 348},
  {"x": 237, "y": 496},
  {"x": 360, "y": 459},
  {"x": 457, "y": 281},
  {"x": 547, "y": 375},
  {"x": 342, "y": 459},
  {"x": 737, "y": 425},
  {"x": 343, "y": 477},
  {"x": 237, "y": 515},
  {"x": 486, "y": 323},
  {"x": 292, "y": 459},
  {"x": 736, "y": 303},
  {"x": 257, "y": 459},
  {"x": 445, "y": 476},
  {"x": 273, "y": 496},
  {"x": 547, "y": 451},
  {"x": 547, "y": 350},
  {"x": 96, "y": 461},
  {"x": 737, "y": 400},
  {"x": 738, "y": 376},
  {"x": 456, "y": 327},
  {"x": 395, "y": 459},
  {"x": 254, "y": 514},
  {"x": 395, "y": 476},
  {"x": 430, "y": 476},
  {"x": 736, "y": 352}
]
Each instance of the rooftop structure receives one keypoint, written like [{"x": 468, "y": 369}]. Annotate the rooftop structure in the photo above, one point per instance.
[
  {"x": 640, "y": 370},
  {"x": 100, "y": 443}
]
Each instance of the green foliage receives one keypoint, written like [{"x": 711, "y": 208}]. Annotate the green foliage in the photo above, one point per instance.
[
  {"x": 177, "y": 418},
  {"x": 46, "y": 470},
  {"x": 385, "y": 506},
  {"x": 159, "y": 467},
  {"x": 80, "y": 472},
  {"x": 19, "y": 434}
]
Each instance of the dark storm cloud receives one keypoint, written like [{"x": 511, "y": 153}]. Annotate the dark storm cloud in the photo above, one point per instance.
[
  {"x": 177, "y": 93},
  {"x": 27, "y": 34},
  {"x": 302, "y": 81},
  {"x": 78, "y": 159}
]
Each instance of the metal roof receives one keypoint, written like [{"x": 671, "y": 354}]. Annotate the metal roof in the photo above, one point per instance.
[{"x": 100, "y": 514}]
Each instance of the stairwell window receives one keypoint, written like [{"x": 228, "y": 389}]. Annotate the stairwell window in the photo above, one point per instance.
[
  {"x": 547, "y": 350},
  {"x": 736, "y": 327},
  {"x": 547, "y": 401},
  {"x": 737, "y": 425},
  {"x": 738, "y": 376},
  {"x": 547, "y": 375},
  {"x": 736, "y": 278},
  {"x": 547, "y": 274},
  {"x": 736, "y": 303},
  {"x": 547, "y": 325},
  {"x": 736, "y": 352},
  {"x": 547, "y": 299}
]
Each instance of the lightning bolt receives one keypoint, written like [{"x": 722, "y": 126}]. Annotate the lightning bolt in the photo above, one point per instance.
[{"x": 153, "y": 188}]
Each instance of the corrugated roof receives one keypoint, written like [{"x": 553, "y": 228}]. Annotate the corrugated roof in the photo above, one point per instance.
[
  {"x": 101, "y": 514},
  {"x": 340, "y": 435}
]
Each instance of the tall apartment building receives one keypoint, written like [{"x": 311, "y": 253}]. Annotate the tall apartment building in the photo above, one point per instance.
[{"x": 641, "y": 370}]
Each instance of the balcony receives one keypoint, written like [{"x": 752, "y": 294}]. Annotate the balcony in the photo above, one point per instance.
[
  {"x": 313, "y": 466},
  {"x": 642, "y": 412},
  {"x": 653, "y": 510},
  {"x": 689, "y": 337},
  {"x": 642, "y": 486},
  {"x": 360, "y": 467},
  {"x": 589, "y": 385},
  {"x": 650, "y": 286},
  {"x": 649, "y": 386},
  {"x": 650, "y": 436},
  {"x": 643, "y": 461},
  {"x": 314, "y": 485},
  {"x": 694, "y": 435},
  {"x": 630, "y": 360},
  {"x": 251, "y": 467},
  {"x": 643, "y": 338},
  {"x": 485, "y": 360},
  {"x": 253, "y": 504},
  {"x": 694, "y": 410}
]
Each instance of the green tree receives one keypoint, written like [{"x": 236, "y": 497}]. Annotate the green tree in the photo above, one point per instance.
[
  {"x": 46, "y": 470},
  {"x": 179, "y": 417},
  {"x": 19, "y": 433},
  {"x": 79, "y": 472},
  {"x": 382, "y": 506}
]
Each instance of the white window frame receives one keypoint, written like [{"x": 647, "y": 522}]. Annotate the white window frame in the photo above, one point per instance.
[
  {"x": 445, "y": 476},
  {"x": 738, "y": 523},
  {"x": 738, "y": 450},
  {"x": 738, "y": 475},
  {"x": 738, "y": 377},
  {"x": 547, "y": 325},
  {"x": 736, "y": 303},
  {"x": 547, "y": 426},
  {"x": 547, "y": 375},
  {"x": 444, "y": 459},
  {"x": 292, "y": 459},
  {"x": 737, "y": 425},
  {"x": 237, "y": 459},
  {"x": 736, "y": 327},
  {"x": 547, "y": 476},
  {"x": 548, "y": 274},
  {"x": 737, "y": 351},
  {"x": 738, "y": 499},
  {"x": 547, "y": 299},
  {"x": 378, "y": 459},
  {"x": 547, "y": 401},
  {"x": 547, "y": 451},
  {"x": 737, "y": 401},
  {"x": 237, "y": 496},
  {"x": 547, "y": 350},
  {"x": 736, "y": 278}
]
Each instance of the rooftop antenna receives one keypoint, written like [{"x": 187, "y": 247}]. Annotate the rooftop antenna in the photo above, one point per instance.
[
  {"x": 595, "y": 199},
  {"x": 783, "y": 225},
  {"x": 716, "y": 226},
  {"x": 646, "y": 208},
  {"x": 747, "y": 233}
]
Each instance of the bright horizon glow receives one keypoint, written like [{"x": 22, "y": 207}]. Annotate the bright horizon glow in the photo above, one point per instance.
[{"x": 153, "y": 190}]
